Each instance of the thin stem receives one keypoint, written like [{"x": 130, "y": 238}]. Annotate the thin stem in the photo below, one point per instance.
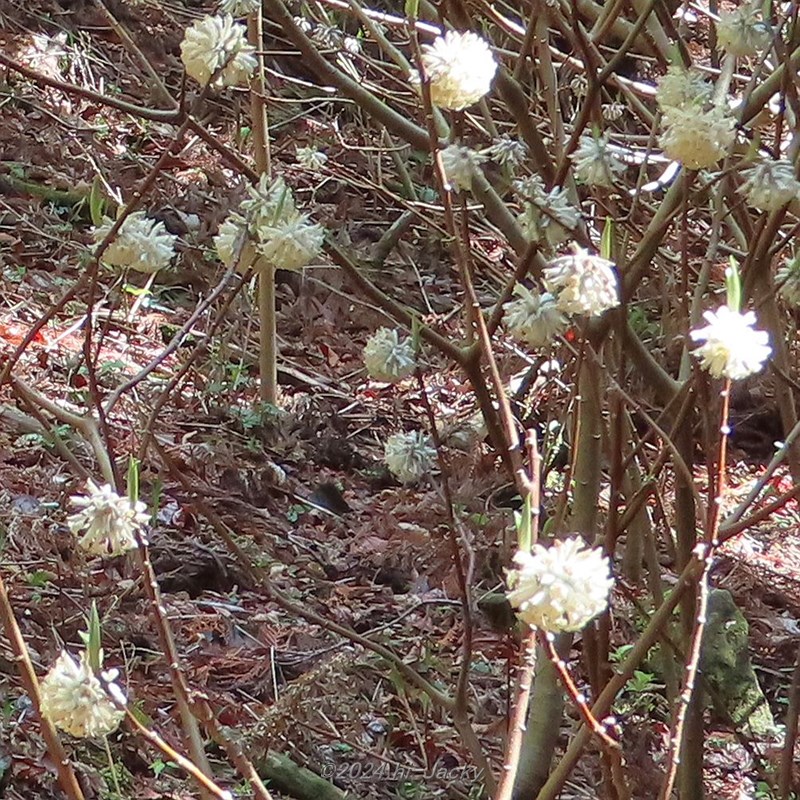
[
  {"x": 705, "y": 552},
  {"x": 516, "y": 724},
  {"x": 27, "y": 674},
  {"x": 112, "y": 768},
  {"x": 268, "y": 352}
]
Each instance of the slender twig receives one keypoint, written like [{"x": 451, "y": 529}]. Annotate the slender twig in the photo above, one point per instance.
[
  {"x": 546, "y": 641},
  {"x": 786, "y": 774},
  {"x": 601, "y": 706},
  {"x": 183, "y": 700},
  {"x": 191, "y": 769},
  {"x": 27, "y": 674},
  {"x": 704, "y": 551},
  {"x": 516, "y": 723}
]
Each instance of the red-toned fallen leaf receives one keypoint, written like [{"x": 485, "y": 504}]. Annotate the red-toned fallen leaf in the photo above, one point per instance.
[
  {"x": 14, "y": 334},
  {"x": 330, "y": 356}
]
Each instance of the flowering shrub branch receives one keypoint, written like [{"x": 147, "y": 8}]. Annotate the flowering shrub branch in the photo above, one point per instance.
[{"x": 535, "y": 149}]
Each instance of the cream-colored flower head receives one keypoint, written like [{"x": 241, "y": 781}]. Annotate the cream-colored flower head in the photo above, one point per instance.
[
  {"x": 533, "y": 318},
  {"x": 788, "y": 279},
  {"x": 267, "y": 202},
  {"x": 595, "y": 163},
  {"x": 613, "y": 111},
  {"x": 141, "y": 243},
  {"x": 560, "y": 587},
  {"x": 239, "y": 8},
  {"x": 732, "y": 347},
  {"x": 770, "y": 185},
  {"x": 234, "y": 240},
  {"x": 310, "y": 158},
  {"x": 409, "y": 455},
  {"x": 277, "y": 234},
  {"x": 459, "y": 165},
  {"x": 218, "y": 43},
  {"x": 107, "y": 521},
  {"x": 742, "y": 32},
  {"x": 74, "y": 700},
  {"x": 582, "y": 283},
  {"x": 507, "y": 152},
  {"x": 546, "y": 216},
  {"x": 683, "y": 87},
  {"x": 460, "y": 67},
  {"x": 292, "y": 242},
  {"x": 387, "y": 358},
  {"x": 698, "y": 139}
]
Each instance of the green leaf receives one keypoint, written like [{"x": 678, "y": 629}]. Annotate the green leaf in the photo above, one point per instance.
[
  {"x": 94, "y": 651},
  {"x": 412, "y": 9},
  {"x": 39, "y": 578},
  {"x": 133, "y": 480},
  {"x": 734, "y": 286},
  {"x": 607, "y": 240},
  {"x": 416, "y": 340},
  {"x": 97, "y": 202},
  {"x": 522, "y": 518}
]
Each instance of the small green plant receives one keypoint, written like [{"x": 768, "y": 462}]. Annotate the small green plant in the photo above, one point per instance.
[
  {"x": 295, "y": 511},
  {"x": 159, "y": 766},
  {"x": 643, "y": 694}
]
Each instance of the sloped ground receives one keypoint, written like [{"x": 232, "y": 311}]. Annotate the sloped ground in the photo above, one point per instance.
[{"x": 304, "y": 492}]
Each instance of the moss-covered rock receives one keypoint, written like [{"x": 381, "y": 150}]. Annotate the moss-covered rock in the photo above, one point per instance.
[{"x": 725, "y": 664}]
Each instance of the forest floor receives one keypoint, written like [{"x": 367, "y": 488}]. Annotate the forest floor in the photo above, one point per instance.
[{"x": 303, "y": 490}]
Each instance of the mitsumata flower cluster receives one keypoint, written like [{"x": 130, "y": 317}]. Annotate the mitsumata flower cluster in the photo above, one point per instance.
[
  {"x": 75, "y": 701},
  {"x": 141, "y": 243},
  {"x": 389, "y": 358},
  {"x": 742, "y": 32},
  {"x": 215, "y": 50},
  {"x": 580, "y": 284},
  {"x": 268, "y": 231},
  {"x": 107, "y": 523},
  {"x": 460, "y": 68},
  {"x": 560, "y": 587},
  {"x": 409, "y": 455},
  {"x": 697, "y": 131},
  {"x": 731, "y": 346},
  {"x": 547, "y": 216}
]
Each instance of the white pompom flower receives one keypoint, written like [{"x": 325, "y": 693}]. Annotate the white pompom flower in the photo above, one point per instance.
[
  {"x": 218, "y": 45},
  {"x": 409, "y": 455},
  {"x": 74, "y": 700},
  {"x": 533, "y": 318},
  {"x": 697, "y": 138},
  {"x": 681, "y": 87},
  {"x": 310, "y": 158},
  {"x": 269, "y": 230},
  {"x": 595, "y": 163},
  {"x": 387, "y": 358},
  {"x": 560, "y": 587},
  {"x": 459, "y": 164},
  {"x": 507, "y": 152},
  {"x": 107, "y": 521},
  {"x": 234, "y": 242},
  {"x": 546, "y": 216},
  {"x": 291, "y": 242},
  {"x": 267, "y": 201},
  {"x": 239, "y": 8},
  {"x": 460, "y": 68},
  {"x": 770, "y": 185},
  {"x": 742, "y": 32},
  {"x": 141, "y": 243},
  {"x": 582, "y": 283},
  {"x": 732, "y": 347},
  {"x": 788, "y": 279}
]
